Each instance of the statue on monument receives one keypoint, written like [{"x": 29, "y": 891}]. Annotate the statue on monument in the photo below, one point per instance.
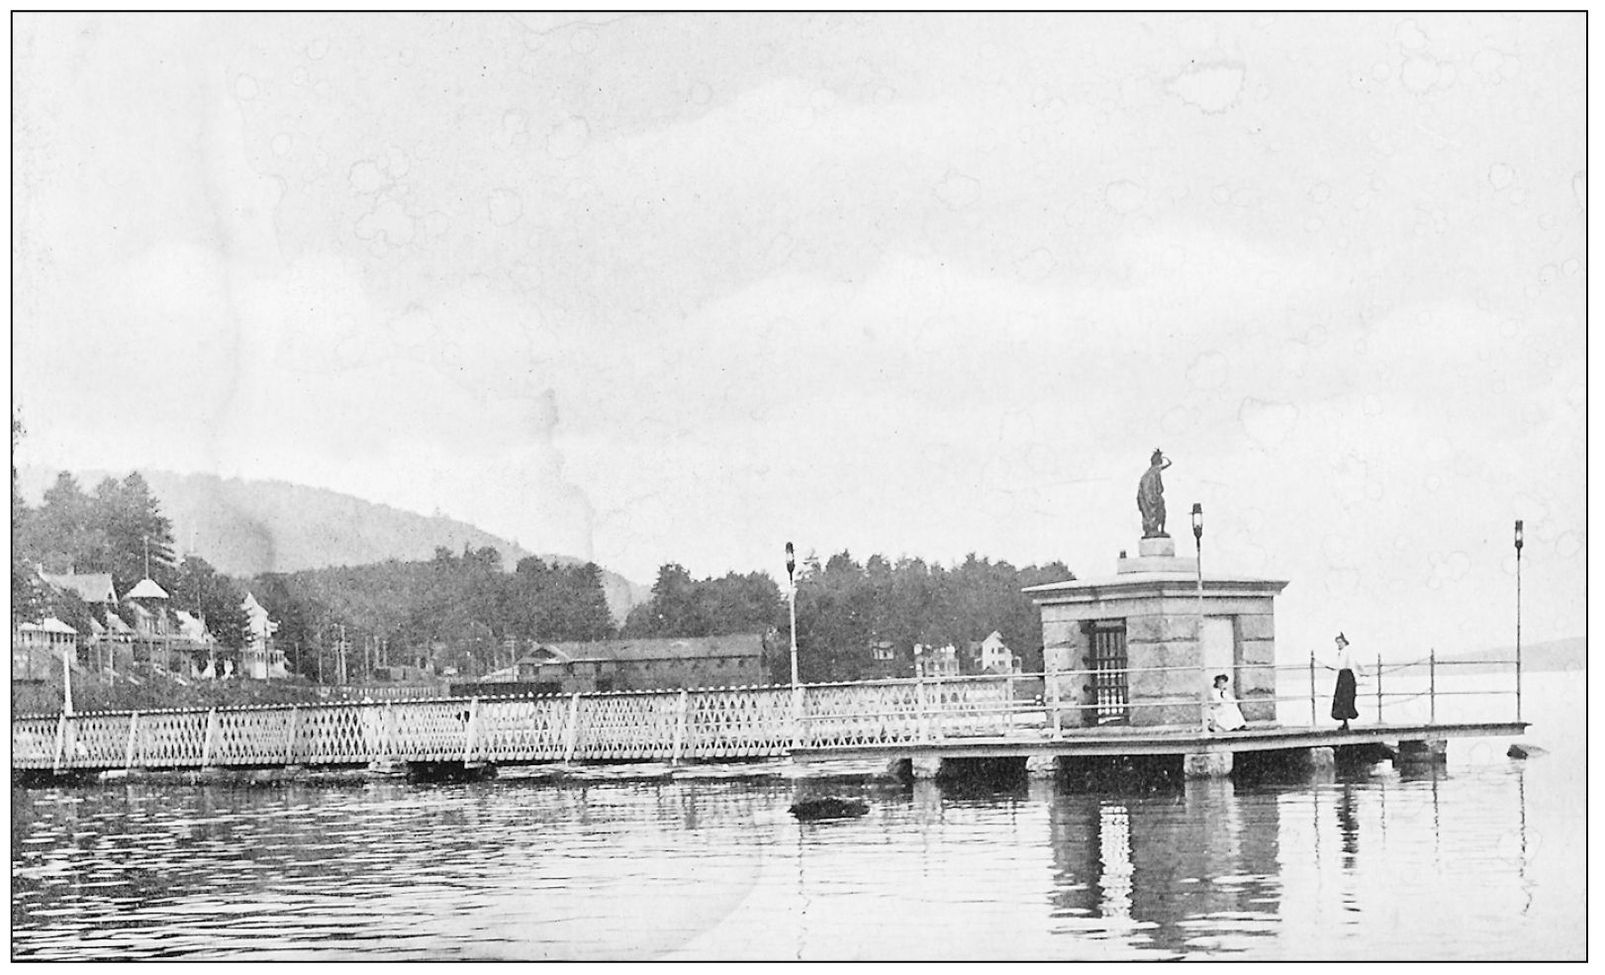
[{"x": 1151, "y": 497}]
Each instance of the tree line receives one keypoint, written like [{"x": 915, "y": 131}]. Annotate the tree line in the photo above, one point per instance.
[
  {"x": 460, "y": 611},
  {"x": 844, "y": 607},
  {"x": 464, "y": 611}
]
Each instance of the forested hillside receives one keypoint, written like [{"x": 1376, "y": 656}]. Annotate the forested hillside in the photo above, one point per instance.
[{"x": 249, "y": 527}]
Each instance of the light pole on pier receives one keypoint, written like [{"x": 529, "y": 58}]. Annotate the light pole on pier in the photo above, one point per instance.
[
  {"x": 796, "y": 688},
  {"x": 1518, "y": 619},
  {"x": 791, "y": 590},
  {"x": 1198, "y": 541}
]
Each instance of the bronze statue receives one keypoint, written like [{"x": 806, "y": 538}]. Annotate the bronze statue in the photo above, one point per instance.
[{"x": 1151, "y": 497}]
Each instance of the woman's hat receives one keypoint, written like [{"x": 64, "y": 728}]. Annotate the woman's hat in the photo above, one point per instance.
[{"x": 1343, "y": 639}]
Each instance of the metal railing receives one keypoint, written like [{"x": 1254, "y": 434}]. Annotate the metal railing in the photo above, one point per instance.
[
  {"x": 673, "y": 724},
  {"x": 1379, "y": 670}
]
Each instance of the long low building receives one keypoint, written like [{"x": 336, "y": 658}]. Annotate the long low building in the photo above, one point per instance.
[{"x": 737, "y": 660}]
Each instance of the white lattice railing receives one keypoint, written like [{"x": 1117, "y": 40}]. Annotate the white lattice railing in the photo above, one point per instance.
[{"x": 722, "y": 723}]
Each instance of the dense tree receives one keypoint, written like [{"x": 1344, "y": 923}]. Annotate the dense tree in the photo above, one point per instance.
[
  {"x": 138, "y": 537},
  {"x": 843, "y": 608},
  {"x": 455, "y": 610},
  {"x": 109, "y": 530},
  {"x": 27, "y": 596},
  {"x": 685, "y": 607},
  {"x": 200, "y": 589}
]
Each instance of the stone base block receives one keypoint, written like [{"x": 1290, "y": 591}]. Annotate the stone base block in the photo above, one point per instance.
[
  {"x": 926, "y": 766},
  {"x": 1163, "y": 545},
  {"x": 1041, "y": 766},
  {"x": 1156, "y": 563},
  {"x": 1322, "y": 759},
  {"x": 1207, "y": 765}
]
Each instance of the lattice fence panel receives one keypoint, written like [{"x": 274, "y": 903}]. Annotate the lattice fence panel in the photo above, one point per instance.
[
  {"x": 251, "y": 736},
  {"x": 746, "y": 722},
  {"x": 869, "y": 714},
  {"x": 523, "y": 730},
  {"x": 972, "y": 707},
  {"x": 96, "y": 741},
  {"x": 170, "y": 739},
  {"x": 429, "y": 731},
  {"x": 625, "y": 726},
  {"x": 332, "y": 735},
  {"x": 33, "y": 743}
]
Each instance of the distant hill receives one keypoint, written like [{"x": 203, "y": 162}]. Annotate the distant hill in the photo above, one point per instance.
[
  {"x": 248, "y": 527},
  {"x": 1570, "y": 654}
]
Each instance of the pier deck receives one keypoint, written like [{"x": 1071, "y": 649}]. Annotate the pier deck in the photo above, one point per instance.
[{"x": 1117, "y": 741}]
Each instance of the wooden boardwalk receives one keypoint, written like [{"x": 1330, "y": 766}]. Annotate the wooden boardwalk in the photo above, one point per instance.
[{"x": 1125, "y": 740}]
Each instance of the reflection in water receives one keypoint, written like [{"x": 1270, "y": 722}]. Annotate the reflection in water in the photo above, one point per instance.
[
  {"x": 1348, "y": 825},
  {"x": 717, "y": 869},
  {"x": 1114, "y": 860},
  {"x": 1191, "y": 870}
]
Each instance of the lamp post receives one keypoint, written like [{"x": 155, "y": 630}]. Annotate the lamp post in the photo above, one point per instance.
[
  {"x": 796, "y": 688},
  {"x": 791, "y": 590},
  {"x": 1518, "y": 619},
  {"x": 1198, "y": 541}
]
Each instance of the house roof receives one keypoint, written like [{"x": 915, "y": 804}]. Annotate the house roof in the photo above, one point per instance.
[
  {"x": 146, "y": 589},
  {"x": 191, "y": 627},
  {"x": 91, "y": 587},
  {"x": 50, "y": 625}
]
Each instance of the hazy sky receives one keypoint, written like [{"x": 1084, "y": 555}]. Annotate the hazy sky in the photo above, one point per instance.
[{"x": 682, "y": 288}]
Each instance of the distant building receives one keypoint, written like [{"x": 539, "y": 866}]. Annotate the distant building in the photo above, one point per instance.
[
  {"x": 94, "y": 588},
  {"x": 37, "y": 649},
  {"x": 993, "y": 656},
  {"x": 260, "y": 659},
  {"x": 646, "y": 664},
  {"x": 936, "y": 661},
  {"x": 192, "y": 630},
  {"x": 161, "y": 637},
  {"x": 883, "y": 662}
]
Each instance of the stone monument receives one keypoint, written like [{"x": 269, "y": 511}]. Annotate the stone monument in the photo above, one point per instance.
[
  {"x": 1151, "y": 496},
  {"x": 1141, "y": 646}
]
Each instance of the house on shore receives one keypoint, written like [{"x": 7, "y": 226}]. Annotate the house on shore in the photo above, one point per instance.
[
  {"x": 260, "y": 659},
  {"x": 37, "y": 649}
]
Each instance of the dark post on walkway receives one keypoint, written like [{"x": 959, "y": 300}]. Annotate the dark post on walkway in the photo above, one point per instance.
[
  {"x": 1432, "y": 686},
  {"x": 1314, "y": 716},
  {"x": 1518, "y": 619},
  {"x": 1379, "y": 688}
]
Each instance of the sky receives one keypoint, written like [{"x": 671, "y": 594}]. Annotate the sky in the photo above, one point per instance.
[{"x": 682, "y": 288}]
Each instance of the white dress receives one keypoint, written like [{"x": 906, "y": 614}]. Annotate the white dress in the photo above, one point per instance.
[{"x": 1224, "y": 714}]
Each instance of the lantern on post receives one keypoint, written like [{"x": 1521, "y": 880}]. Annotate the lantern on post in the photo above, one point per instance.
[{"x": 791, "y": 589}]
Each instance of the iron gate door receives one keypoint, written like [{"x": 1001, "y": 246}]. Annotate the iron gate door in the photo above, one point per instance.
[{"x": 1109, "y": 673}]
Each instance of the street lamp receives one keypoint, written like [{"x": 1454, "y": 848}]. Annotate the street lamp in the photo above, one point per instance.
[
  {"x": 1518, "y": 619},
  {"x": 791, "y": 588},
  {"x": 1203, "y": 672},
  {"x": 796, "y": 688}
]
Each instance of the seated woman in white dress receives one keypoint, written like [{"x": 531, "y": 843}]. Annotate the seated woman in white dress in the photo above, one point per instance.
[{"x": 1224, "y": 715}]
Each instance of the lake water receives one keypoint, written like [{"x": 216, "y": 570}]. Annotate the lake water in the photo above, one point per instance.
[{"x": 1481, "y": 860}]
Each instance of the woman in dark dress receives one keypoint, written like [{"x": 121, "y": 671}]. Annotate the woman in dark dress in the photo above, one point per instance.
[{"x": 1343, "y": 695}]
